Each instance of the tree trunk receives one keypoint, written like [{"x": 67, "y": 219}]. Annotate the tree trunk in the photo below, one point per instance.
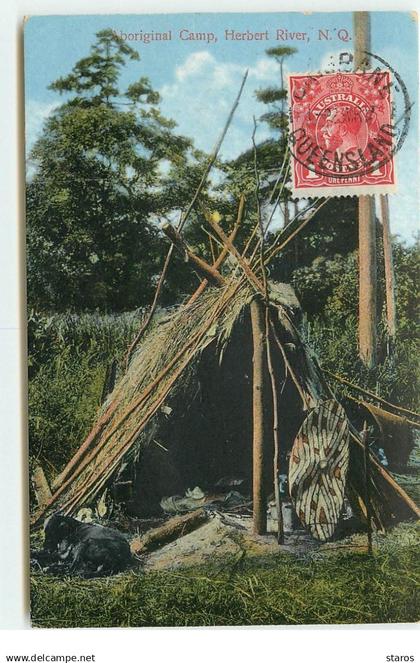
[
  {"x": 259, "y": 498},
  {"x": 367, "y": 236},
  {"x": 367, "y": 281},
  {"x": 389, "y": 271},
  {"x": 361, "y": 29}
]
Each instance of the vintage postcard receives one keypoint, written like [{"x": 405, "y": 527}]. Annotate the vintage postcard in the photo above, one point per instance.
[{"x": 222, "y": 270}]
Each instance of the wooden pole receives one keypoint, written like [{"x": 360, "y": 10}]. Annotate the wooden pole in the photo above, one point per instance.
[
  {"x": 258, "y": 493},
  {"x": 389, "y": 271},
  {"x": 367, "y": 281},
  {"x": 267, "y": 344},
  {"x": 276, "y": 441},
  {"x": 224, "y": 253},
  {"x": 367, "y": 235},
  {"x": 367, "y": 487}
]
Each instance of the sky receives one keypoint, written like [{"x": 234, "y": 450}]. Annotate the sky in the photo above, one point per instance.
[{"x": 198, "y": 79}]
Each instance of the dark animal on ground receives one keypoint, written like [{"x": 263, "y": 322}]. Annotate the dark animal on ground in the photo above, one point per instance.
[{"x": 84, "y": 549}]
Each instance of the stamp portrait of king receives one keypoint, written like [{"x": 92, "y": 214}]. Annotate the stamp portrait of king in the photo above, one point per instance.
[{"x": 342, "y": 138}]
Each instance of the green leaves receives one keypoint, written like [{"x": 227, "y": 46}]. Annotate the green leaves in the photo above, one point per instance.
[
  {"x": 270, "y": 95},
  {"x": 99, "y": 72},
  {"x": 142, "y": 91},
  {"x": 99, "y": 186},
  {"x": 281, "y": 52}
]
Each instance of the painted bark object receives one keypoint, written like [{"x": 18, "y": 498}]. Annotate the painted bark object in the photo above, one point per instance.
[{"x": 318, "y": 467}]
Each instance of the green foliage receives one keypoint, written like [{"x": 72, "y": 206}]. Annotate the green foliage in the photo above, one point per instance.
[
  {"x": 407, "y": 261},
  {"x": 282, "y": 589},
  {"x": 99, "y": 186},
  {"x": 274, "y": 97},
  {"x": 98, "y": 73},
  {"x": 69, "y": 356},
  {"x": 313, "y": 261},
  {"x": 332, "y": 329},
  {"x": 63, "y": 398},
  {"x": 266, "y": 156},
  {"x": 280, "y": 52}
]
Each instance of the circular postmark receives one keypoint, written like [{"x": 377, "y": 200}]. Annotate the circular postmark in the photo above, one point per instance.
[{"x": 347, "y": 126}]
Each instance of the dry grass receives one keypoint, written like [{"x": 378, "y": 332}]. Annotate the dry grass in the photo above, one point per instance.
[
  {"x": 164, "y": 361},
  {"x": 334, "y": 588}
]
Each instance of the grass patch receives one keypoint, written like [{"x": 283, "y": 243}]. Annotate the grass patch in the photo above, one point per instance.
[
  {"x": 336, "y": 588},
  {"x": 69, "y": 356}
]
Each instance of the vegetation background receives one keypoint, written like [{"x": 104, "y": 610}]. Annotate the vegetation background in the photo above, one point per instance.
[{"x": 109, "y": 168}]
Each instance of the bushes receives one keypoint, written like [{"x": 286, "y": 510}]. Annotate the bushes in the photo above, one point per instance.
[
  {"x": 63, "y": 397},
  {"x": 68, "y": 360},
  {"x": 69, "y": 354},
  {"x": 333, "y": 331}
]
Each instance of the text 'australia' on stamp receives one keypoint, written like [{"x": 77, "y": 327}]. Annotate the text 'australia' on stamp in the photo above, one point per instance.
[{"x": 341, "y": 135}]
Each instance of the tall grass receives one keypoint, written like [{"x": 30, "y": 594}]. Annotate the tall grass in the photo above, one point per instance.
[
  {"x": 69, "y": 357},
  {"x": 326, "y": 589}
]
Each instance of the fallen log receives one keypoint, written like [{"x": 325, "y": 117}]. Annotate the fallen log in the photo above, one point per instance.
[{"x": 174, "y": 528}]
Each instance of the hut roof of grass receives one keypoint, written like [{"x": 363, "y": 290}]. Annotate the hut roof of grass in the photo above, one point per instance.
[{"x": 164, "y": 360}]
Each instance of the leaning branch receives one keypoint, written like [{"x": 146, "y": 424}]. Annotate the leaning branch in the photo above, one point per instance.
[
  {"x": 201, "y": 266},
  {"x": 224, "y": 253},
  {"x": 389, "y": 479},
  {"x": 238, "y": 257},
  {"x": 356, "y": 387},
  {"x": 182, "y": 222}
]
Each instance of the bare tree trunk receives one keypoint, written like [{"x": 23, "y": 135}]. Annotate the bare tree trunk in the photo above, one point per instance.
[
  {"x": 259, "y": 500},
  {"x": 367, "y": 236},
  {"x": 367, "y": 281},
  {"x": 361, "y": 29},
  {"x": 389, "y": 271}
]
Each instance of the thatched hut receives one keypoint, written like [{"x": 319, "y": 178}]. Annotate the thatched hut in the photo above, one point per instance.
[{"x": 184, "y": 414}]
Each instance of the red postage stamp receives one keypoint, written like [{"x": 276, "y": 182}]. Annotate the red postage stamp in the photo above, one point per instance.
[{"x": 341, "y": 134}]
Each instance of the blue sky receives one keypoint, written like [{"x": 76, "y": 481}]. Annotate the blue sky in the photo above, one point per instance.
[{"x": 198, "y": 80}]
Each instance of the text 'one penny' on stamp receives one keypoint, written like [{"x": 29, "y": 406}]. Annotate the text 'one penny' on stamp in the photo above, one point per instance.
[{"x": 341, "y": 136}]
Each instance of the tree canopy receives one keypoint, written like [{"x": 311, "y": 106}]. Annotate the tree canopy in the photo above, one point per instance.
[{"x": 104, "y": 173}]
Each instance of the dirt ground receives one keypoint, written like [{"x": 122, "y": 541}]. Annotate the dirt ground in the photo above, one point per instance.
[{"x": 226, "y": 537}]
